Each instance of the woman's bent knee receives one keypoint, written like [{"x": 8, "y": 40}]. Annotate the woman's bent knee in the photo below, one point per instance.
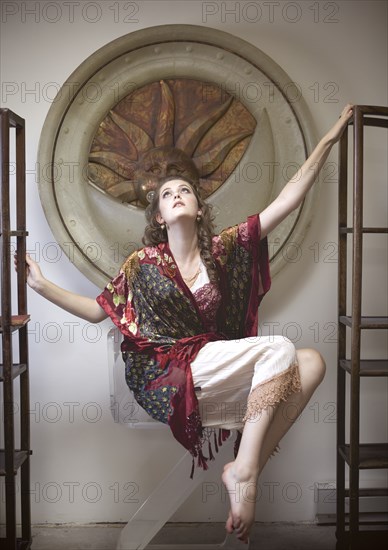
[{"x": 312, "y": 361}]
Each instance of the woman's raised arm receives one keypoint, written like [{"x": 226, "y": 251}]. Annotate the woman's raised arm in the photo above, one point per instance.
[
  {"x": 81, "y": 306},
  {"x": 296, "y": 189}
]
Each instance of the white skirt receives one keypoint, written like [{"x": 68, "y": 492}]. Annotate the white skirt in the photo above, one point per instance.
[{"x": 237, "y": 379}]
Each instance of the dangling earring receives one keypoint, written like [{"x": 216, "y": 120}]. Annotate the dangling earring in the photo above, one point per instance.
[
  {"x": 198, "y": 218},
  {"x": 162, "y": 226}
]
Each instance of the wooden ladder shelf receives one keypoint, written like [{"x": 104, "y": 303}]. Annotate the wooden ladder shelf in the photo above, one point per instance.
[
  {"x": 351, "y": 323},
  {"x": 14, "y": 458}
]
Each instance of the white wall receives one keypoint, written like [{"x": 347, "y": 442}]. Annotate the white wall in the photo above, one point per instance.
[{"x": 85, "y": 468}]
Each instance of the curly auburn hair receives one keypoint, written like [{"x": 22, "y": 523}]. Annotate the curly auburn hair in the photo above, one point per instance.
[{"x": 155, "y": 234}]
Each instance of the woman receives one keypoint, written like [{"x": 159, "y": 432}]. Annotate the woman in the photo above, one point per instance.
[{"x": 187, "y": 306}]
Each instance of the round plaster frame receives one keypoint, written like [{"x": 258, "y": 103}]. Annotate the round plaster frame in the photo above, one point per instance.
[{"x": 96, "y": 231}]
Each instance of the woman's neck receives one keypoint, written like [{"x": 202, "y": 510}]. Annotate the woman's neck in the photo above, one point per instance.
[{"x": 184, "y": 246}]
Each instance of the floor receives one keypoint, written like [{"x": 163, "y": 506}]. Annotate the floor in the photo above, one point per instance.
[{"x": 273, "y": 536}]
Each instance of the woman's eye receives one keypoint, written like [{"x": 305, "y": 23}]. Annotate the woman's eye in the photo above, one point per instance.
[
  {"x": 185, "y": 189},
  {"x": 165, "y": 194}
]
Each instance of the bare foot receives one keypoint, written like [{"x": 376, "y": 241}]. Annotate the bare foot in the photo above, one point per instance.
[{"x": 242, "y": 490}]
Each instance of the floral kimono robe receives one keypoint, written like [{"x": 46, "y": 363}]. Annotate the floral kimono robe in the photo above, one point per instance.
[{"x": 164, "y": 329}]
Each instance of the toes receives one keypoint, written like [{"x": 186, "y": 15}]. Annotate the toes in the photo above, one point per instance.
[
  {"x": 243, "y": 537},
  {"x": 241, "y": 533},
  {"x": 229, "y": 524}
]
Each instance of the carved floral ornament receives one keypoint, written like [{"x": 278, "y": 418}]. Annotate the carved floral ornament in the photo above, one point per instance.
[
  {"x": 168, "y": 92},
  {"x": 142, "y": 136}
]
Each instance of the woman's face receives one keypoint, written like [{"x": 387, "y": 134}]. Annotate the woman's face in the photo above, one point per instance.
[{"x": 177, "y": 203}]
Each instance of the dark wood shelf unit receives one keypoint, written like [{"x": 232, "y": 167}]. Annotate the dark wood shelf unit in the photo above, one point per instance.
[
  {"x": 15, "y": 322},
  {"x": 352, "y": 454},
  {"x": 371, "y": 456},
  {"x": 16, "y": 370},
  {"x": 381, "y": 230},
  {"x": 19, "y": 458},
  {"x": 367, "y": 367},
  {"x": 371, "y": 491},
  {"x": 365, "y": 322},
  {"x": 14, "y": 461}
]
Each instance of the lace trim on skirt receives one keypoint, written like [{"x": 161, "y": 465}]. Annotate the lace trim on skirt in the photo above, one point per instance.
[{"x": 273, "y": 391}]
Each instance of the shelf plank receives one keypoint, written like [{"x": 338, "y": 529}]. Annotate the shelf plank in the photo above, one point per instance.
[
  {"x": 17, "y": 370},
  {"x": 18, "y": 233},
  {"x": 19, "y": 458},
  {"x": 372, "y": 455},
  {"x": 381, "y": 122},
  {"x": 381, "y": 230},
  {"x": 13, "y": 119},
  {"x": 374, "y": 110},
  {"x": 371, "y": 492},
  {"x": 368, "y": 367},
  {"x": 366, "y": 519},
  {"x": 366, "y": 322},
  {"x": 17, "y": 321}
]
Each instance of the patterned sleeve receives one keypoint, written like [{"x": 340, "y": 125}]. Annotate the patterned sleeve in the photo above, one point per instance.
[
  {"x": 117, "y": 301},
  {"x": 243, "y": 256}
]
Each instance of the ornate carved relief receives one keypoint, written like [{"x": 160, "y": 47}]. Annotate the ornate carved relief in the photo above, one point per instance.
[{"x": 198, "y": 118}]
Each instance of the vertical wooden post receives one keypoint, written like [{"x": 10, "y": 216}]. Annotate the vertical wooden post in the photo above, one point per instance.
[
  {"x": 341, "y": 349},
  {"x": 356, "y": 323}
]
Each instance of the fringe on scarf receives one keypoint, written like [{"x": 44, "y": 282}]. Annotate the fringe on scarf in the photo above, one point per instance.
[{"x": 202, "y": 460}]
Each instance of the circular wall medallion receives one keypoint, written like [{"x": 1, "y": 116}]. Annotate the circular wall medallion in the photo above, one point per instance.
[{"x": 234, "y": 110}]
